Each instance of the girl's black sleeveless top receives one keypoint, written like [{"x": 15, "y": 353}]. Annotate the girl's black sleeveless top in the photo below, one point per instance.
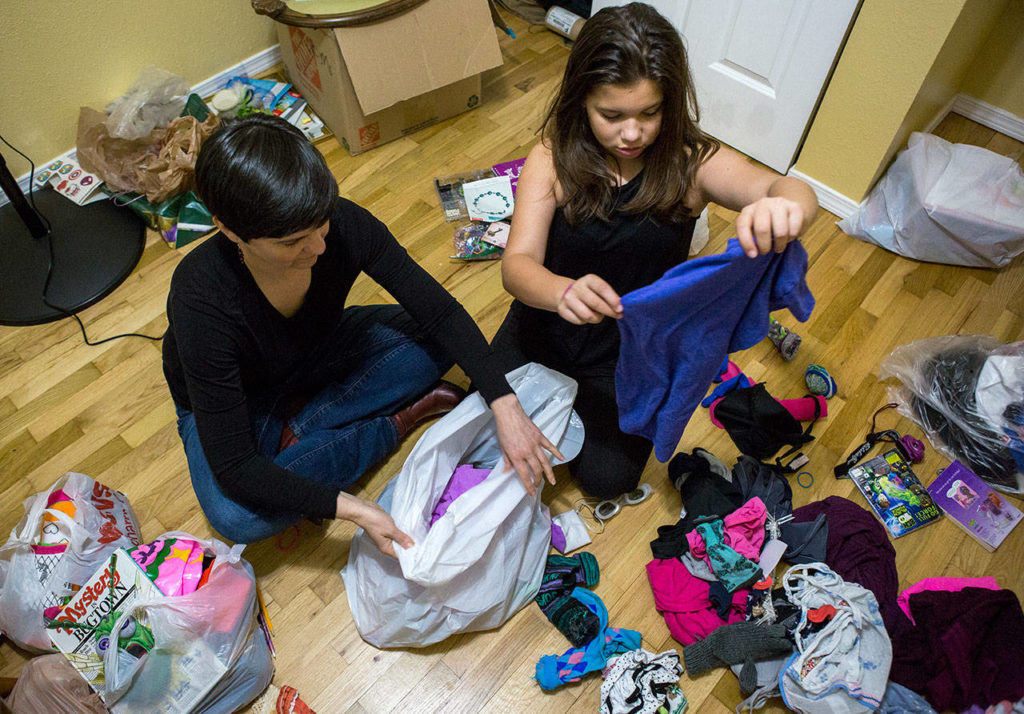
[{"x": 629, "y": 251}]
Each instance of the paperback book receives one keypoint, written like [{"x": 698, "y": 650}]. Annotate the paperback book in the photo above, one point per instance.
[
  {"x": 972, "y": 504},
  {"x": 88, "y": 616},
  {"x": 894, "y": 493}
]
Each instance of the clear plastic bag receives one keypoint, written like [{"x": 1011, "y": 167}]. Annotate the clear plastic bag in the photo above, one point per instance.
[
  {"x": 209, "y": 653},
  {"x": 480, "y": 562},
  {"x": 156, "y": 98},
  {"x": 945, "y": 203},
  {"x": 966, "y": 392},
  {"x": 34, "y": 578}
]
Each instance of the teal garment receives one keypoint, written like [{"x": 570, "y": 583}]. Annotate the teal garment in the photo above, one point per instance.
[{"x": 732, "y": 569}]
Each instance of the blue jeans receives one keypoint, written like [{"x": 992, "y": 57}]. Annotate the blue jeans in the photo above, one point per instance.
[{"x": 378, "y": 364}]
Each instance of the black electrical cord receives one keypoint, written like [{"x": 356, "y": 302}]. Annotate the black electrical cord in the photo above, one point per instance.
[{"x": 49, "y": 266}]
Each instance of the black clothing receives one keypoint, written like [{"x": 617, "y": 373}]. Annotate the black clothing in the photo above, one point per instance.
[
  {"x": 226, "y": 341},
  {"x": 628, "y": 252}
]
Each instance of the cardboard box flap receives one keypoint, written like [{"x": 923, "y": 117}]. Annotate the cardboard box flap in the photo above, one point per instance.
[{"x": 434, "y": 45}]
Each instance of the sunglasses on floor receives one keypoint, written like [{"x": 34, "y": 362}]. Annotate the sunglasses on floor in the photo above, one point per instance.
[{"x": 596, "y": 511}]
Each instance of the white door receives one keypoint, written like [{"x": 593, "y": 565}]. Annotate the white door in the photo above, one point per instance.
[{"x": 759, "y": 65}]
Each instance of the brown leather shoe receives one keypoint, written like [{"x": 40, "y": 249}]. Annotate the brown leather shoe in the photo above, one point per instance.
[{"x": 440, "y": 399}]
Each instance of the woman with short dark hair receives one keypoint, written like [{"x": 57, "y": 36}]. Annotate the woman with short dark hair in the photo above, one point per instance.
[{"x": 285, "y": 396}]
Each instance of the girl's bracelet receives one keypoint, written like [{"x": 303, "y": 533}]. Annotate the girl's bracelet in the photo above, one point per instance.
[{"x": 566, "y": 291}]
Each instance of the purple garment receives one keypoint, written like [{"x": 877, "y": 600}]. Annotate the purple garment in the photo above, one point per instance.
[
  {"x": 557, "y": 537},
  {"x": 676, "y": 332},
  {"x": 859, "y": 550},
  {"x": 463, "y": 478},
  {"x": 967, "y": 648}
]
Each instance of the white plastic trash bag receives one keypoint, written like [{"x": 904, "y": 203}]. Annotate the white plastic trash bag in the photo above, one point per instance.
[
  {"x": 482, "y": 561},
  {"x": 67, "y": 532},
  {"x": 945, "y": 203}
]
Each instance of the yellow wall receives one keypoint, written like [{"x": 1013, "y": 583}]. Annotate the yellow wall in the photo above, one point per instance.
[
  {"x": 997, "y": 74},
  {"x": 58, "y": 56},
  {"x": 887, "y": 56},
  {"x": 948, "y": 73}
]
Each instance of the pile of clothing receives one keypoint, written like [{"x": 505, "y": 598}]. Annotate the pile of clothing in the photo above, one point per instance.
[{"x": 834, "y": 633}]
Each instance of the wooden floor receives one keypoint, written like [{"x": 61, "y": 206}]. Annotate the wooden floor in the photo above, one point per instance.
[{"x": 105, "y": 411}]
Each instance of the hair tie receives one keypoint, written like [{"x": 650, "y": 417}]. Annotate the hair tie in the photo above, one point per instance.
[
  {"x": 566, "y": 291},
  {"x": 801, "y": 483}
]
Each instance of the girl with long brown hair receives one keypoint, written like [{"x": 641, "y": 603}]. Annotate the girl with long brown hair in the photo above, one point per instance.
[{"x": 606, "y": 203}]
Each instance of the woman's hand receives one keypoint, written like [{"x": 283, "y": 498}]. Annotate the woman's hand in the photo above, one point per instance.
[
  {"x": 373, "y": 519},
  {"x": 522, "y": 443},
  {"x": 769, "y": 223},
  {"x": 588, "y": 300}
]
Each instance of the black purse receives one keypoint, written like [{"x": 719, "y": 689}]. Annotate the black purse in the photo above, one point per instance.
[{"x": 760, "y": 426}]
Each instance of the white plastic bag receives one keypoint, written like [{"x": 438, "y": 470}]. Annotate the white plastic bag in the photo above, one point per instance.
[
  {"x": 483, "y": 559},
  {"x": 156, "y": 98},
  {"x": 209, "y": 653},
  {"x": 32, "y": 581},
  {"x": 945, "y": 203},
  {"x": 966, "y": 392}
]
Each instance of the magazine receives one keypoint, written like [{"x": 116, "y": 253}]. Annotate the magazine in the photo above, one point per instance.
[
  {"x": 113, "y": 588},
  {"x": 895, "y": 493},
  {"x": 974, "y": 506}
]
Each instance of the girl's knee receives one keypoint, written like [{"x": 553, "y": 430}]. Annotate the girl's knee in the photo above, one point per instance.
[{"x": 608, "y": 467}]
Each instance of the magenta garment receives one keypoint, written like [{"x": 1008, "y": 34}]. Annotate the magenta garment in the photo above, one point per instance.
[
  {"x": 683, "y": 601},
  {"x": 943, "y": 584},
  {"x": 743, "y": 529},
  {"x": 463, "y": 478}
]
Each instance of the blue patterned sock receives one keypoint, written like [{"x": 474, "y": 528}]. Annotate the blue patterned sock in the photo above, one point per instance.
[{"x": 554, "y": 671}]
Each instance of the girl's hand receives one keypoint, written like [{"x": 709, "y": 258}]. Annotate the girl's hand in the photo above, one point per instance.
[
  {"x": 373, "y": 519},
  {"x": 522, "y": 443},
  {"x": 769, "y": 223},
  {"x": 588, "y": 300}
]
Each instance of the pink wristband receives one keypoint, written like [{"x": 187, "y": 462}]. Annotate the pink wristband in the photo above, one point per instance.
[{"x": 566, "y": 291}]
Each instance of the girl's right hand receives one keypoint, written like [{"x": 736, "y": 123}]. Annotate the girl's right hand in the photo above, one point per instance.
[
  {"x": 373, "y": 519},
  {"x": 589, "y": 300}
]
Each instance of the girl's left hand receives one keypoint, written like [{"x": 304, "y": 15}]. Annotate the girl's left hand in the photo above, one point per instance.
[
  {"x": 522, "y": 443},
  {"x": 769, "y": 223}
]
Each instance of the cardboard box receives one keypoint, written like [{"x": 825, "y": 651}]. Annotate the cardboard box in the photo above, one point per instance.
[{"x": 375, "y": 83}]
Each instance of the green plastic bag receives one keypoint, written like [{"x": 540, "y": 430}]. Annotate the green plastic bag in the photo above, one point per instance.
[{"x": 180, "y": 219}]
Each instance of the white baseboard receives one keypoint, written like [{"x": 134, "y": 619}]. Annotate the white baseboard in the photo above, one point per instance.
[
  {"x": 989, "y": 115},
  {"x": 828, "y": 198},
  {"x": 259, "y": 62}
]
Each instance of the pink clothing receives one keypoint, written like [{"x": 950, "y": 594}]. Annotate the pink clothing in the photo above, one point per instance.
[
  {"x": 802, "y": 408},
  {"x": 945, "y": 584},
  {"x": 683, "y": 600},
  {"x": 743, "y": 530}
]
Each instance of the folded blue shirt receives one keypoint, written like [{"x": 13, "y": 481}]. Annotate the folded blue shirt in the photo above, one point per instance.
[{"x": 676, "y": 332}]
